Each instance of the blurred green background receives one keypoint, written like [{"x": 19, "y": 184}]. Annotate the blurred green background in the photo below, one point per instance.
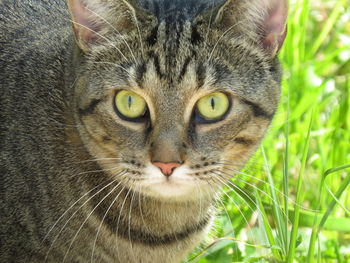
[{"x": 292, "y": 201}]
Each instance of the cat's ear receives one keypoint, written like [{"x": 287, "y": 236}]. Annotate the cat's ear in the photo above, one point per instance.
[
  {"x": 93, "y": 19},
  {"x": 263, "y": 21}
]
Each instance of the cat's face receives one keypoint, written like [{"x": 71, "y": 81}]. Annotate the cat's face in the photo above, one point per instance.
[{"x": 174, "y": 109}]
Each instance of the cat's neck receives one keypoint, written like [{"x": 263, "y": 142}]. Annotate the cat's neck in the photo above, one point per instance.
[{"x": 152, "y": 220}]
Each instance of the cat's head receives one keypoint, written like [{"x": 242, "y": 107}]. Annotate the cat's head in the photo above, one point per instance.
[{"x": 172, "y": 97}]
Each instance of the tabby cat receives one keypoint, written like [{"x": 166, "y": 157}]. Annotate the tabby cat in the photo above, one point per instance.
[{"x": 120, "y": 120}]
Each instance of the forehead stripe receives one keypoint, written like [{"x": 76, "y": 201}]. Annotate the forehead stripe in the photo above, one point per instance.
[
  {"x": 184, "y": 68},
  {"x": 157, "y": 66},
  {"x": 153, "y": 37},
  {"x": 140, "y": 72}
]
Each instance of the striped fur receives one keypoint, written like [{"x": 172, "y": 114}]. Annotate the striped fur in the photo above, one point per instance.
[{"x": 75, "y": 179}]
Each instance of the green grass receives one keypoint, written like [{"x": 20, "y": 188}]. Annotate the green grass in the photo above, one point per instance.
[{"x": 294, "y": 205}]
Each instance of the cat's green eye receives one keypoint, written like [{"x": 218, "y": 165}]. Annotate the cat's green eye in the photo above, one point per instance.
[
  {"x": 213, "y": 106},
  {"x": 130, "y": 105}
]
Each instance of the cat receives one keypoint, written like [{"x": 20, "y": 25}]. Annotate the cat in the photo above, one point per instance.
[{"x": 121, "y": 120}]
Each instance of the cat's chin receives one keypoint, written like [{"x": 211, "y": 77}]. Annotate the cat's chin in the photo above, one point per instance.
[{"x": 180, "y": 186}]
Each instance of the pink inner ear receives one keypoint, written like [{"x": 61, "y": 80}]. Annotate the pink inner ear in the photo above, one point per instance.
[
  {"x": 84, "y": 27},
  {"x": 274, "y": 29}
]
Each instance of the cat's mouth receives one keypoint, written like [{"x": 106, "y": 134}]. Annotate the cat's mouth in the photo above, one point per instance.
[{"x": 179, "y": 185}]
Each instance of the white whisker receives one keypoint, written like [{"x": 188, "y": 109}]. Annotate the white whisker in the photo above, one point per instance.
[
  {"x": 87, "y": 218},
  {"x": 267, "y": 184},
  {"x": 120, "y": 214},
  {"x": 140, "y": 208},
  {"x": 129, "y": 224},
  {"x": 100, "y": 226},
  {"x": 76, "y": 211},
  {"x": 217, "y": 42},
  {"x": 109, "y": 41},
  {"x": 114, "y": 28},
  {"x": 66, "y": 211}
]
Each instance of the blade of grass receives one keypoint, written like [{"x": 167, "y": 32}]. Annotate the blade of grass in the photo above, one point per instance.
[
  {"x": 346, "y": 211},
  {"x": 231, "y": 239},
  {"x": 316, "y": 228},
  {"x": 267, "y": 227},
  {"x": 295, "y": 227},
  {"x": 319, "y": 252},
  {"x": 340, "y": 191},
  {"x": 286, "y": 169},
  {"x": 277, "y": 214},
  {"x": 340, "y": 258},
  {"x": 298, "y": 28},
  {"x": 306, "y": 219},
  {"x": 313, "y": 238},
  {"x": 329, "y": 25}
]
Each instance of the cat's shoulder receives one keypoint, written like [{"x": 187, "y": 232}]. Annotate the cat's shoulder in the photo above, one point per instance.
[
  {"x": 29, "y": 20},
  {"x": 32, "y": 31}
]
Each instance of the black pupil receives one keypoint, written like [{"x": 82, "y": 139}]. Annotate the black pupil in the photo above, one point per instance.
[
  {"x": 212, "y": 102},
  {"x": 129, "y": 101}
]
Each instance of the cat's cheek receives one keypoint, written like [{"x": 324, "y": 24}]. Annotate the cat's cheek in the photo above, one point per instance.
[{"x": 180, "y": 185}]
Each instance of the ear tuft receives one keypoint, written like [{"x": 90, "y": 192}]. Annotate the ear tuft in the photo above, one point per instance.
[
  {"x": 85, "y": 28},
  {"x": 274, "y": 27},
  {"x": 93, "y": 19},
  {"x": 263, "y": 21}
]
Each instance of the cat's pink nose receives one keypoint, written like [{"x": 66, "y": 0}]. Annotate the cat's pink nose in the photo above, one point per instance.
[{"x": 167, "y": 168}]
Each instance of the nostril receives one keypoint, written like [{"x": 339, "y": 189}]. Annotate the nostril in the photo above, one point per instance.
[{"x": 167, "y": 168}]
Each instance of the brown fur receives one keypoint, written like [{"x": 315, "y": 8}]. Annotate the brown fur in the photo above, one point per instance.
[{"x": 75, "y": 179}]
